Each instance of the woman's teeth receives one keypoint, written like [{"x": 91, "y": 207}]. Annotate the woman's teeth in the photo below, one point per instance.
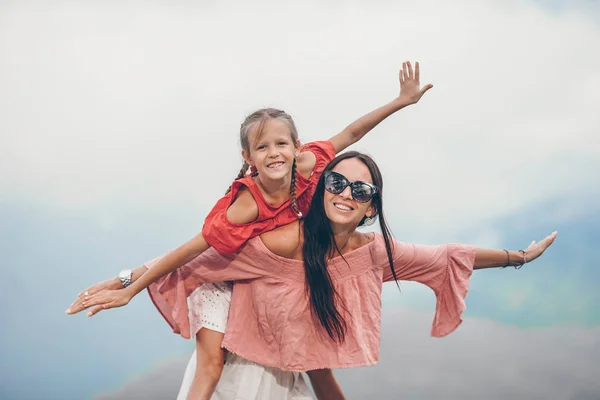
[{"x": 342, "y": 207}]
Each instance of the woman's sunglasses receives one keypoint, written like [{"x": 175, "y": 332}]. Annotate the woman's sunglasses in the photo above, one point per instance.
[{"x": 361, "y": 191}]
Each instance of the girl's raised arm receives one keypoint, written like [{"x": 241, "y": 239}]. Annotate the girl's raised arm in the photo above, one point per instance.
[{"x": 410, "y": 93}]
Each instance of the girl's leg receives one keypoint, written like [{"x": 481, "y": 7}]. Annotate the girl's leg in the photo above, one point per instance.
[
  {"x": 209, "y": 365},
  {"x": 324, "y": 384}
]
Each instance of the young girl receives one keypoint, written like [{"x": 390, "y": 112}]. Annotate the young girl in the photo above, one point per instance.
[{"x": 278, "y": 190}]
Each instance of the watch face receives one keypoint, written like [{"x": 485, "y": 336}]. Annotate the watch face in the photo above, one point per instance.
[{"x": 124, "y": 274}]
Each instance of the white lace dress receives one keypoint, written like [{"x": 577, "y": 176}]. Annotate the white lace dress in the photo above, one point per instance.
[
  {"x": 209, "y": 307},
  {"x": 241, "y": 379}
]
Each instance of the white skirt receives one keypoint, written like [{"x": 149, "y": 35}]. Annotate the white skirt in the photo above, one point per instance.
[
  {"x": 241, "y": 379},
  {"x": 245, "y": 380}
]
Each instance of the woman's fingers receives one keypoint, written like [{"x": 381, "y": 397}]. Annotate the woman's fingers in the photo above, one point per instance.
[
  {"x": 76, "y": 306},
  {"x": 87, "y": 302},
  {"x": 96, "y": 299},
  {"x": 536, "y": 249},
  {"x": 97, "y": 309},
  {"x": 92, "y": 289},
  {"x": 545, "y": 242},
  {"x": 548, "y": 240},
  {"x": 80, "y": 304}
]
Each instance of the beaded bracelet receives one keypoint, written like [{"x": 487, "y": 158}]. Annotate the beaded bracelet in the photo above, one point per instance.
[{"x": 518, "y": 266}]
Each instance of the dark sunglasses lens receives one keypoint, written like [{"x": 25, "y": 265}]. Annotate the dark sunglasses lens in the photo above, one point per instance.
[
  {"x": 362, "y": 192},
  {"x": 335, "y": 183}
]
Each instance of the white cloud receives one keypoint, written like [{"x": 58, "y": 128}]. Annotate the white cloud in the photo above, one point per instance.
[
  {"x": 482, "y": 359},
  {"x": 140, "y": 104}
]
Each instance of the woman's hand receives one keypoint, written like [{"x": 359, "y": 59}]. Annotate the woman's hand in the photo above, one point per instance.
[
  {"x": 102, "y": 300},
  {"x": 410, "y": 86},
  {"x": 536, "y": 249},
  {"x": 494, "y": 258},
  {"x": 111, "y": 284}
]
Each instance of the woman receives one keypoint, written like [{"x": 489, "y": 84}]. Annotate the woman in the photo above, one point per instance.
[
  {"x": 278, "y": 190},
  {"x": 308, "y": 296}
]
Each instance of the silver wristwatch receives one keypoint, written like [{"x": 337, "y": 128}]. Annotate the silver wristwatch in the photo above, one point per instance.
[{"x": 125, "y": 277}]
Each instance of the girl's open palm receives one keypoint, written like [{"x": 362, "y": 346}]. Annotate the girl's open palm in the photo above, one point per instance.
[{"x": 410, "y": 85}]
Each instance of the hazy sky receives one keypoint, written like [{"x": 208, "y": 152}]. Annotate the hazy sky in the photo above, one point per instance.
[
  {"x": 119, "y": 129},
  {"x": 483, "y": 359}
]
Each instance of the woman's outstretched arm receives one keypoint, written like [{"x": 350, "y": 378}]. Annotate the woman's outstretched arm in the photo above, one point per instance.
[
  {"x": 446, "y": 269},
  {"x": 492, "y": 258}
]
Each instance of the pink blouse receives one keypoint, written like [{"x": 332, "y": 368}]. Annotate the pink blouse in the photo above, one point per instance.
[{"x": 270, "y": 320}]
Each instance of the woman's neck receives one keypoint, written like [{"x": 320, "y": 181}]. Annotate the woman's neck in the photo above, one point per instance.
[{"x": 345, "y": 238}]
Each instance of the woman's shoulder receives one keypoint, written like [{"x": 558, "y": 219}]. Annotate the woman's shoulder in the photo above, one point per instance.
[
  {"x": 284, "y": 241},
  {"x": 370, "y": 246},
  {"x": 365, "y": 238}
]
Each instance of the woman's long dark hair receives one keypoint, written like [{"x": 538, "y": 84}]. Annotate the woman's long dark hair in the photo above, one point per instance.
[{"x": 319, "y": 246}]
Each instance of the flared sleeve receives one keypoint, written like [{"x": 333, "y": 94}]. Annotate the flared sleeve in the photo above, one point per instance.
[
  {"x": 170, "y": 292},
  {"x": 446, "y": 269}
]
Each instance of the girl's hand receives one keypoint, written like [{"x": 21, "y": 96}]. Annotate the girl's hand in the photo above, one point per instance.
[
  {"x": 537, "y": 249},
  {"x": 410, "y": 86},
  {"x": 75, "y": 307},
  {"x": 101, "y": 300}
]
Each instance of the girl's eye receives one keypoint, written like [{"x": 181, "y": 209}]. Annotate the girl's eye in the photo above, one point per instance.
[
  {"x": 282, "y": 143},
  {"x": 260, "y": 147}
]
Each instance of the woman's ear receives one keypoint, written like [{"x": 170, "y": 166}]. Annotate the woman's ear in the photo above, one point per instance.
[{"x": 371, "y": 212}]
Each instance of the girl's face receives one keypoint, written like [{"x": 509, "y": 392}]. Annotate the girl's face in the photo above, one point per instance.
[
  {"x": 341, "y": 209},
  {"x": 273, "y": 152}
]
